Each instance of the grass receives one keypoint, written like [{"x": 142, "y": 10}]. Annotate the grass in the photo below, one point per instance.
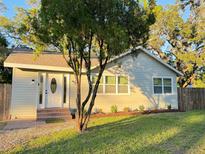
[
  {"x": 2, "y": 125},
  {"x": 156, "y": 133}
]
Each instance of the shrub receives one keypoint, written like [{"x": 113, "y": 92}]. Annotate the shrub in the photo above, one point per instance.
[
  {"x": 114, "y": 108},
  {"x": 126, "y": 109},
  {"x": 100, "y": 110},
  {"x": 141, "y": 107},
  {"x": 136, "y": 110},
  {"x": 169, "y": 107},
  {"x": 97, "y": 110}
]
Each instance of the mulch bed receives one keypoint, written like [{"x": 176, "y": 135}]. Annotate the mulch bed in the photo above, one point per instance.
[{"x": 97, "y": 115}]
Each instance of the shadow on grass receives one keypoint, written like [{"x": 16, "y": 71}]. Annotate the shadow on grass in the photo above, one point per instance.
[{"x": 161, "y": 133}]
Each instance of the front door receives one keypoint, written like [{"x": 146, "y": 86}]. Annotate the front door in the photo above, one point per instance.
[{"x": 55, "y": 90}]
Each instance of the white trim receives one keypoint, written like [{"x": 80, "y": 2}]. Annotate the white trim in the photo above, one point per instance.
[
  {"x": 42, "y": 105},
  {"x": 46, "y": 90},
  {"x": 116, "y": 83},
  {"x": 162, "y": 77}
]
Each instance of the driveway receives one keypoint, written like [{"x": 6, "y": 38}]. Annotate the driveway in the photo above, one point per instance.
[{"x": 20, "y": 132}]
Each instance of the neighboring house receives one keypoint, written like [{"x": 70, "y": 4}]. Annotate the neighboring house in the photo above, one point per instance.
[{"x": 130, "y": 80}]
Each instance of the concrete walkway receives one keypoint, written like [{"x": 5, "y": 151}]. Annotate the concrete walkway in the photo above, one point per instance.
[{"x": 22, "y": 124}]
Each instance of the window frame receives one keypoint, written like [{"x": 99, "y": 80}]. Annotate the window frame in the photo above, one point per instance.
[
  {"x": 102, "y": 84},
  {"x": 162, "y": 77},
  {"x": 116, "y": 84}
]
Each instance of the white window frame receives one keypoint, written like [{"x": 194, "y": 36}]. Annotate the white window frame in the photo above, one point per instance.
[
  {"x": 116, "y": 84},
  {"x": 162, "y": 77}
]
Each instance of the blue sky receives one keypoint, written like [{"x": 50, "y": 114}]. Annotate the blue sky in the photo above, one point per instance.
[{"x": 12, "y": 4}]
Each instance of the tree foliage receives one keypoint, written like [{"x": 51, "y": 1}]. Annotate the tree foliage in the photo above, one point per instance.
[
  {"x": 180, "y": 41},
  {"x": 5, "y": 73},
  {"x": 78, "y": 29}
]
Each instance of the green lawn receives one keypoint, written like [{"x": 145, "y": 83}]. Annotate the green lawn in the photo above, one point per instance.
[{"x": 156, "y": 133}]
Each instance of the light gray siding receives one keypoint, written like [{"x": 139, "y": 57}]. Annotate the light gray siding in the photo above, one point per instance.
[
  {"x": 24, "y": 94},
  {"x": 141, "y": 68}
]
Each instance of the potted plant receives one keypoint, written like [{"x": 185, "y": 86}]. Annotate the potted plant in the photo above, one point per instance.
[{"x": 72, "y": 112}]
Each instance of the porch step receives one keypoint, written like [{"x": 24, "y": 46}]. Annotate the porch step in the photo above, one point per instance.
[
  {"x": 53, "y": 110},
  {"x": 52, "y": 113}
]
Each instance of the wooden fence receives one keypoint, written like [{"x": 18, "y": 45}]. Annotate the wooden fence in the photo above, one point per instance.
[
  {"x": 191, "y": 98},
  {"x": 5, "y": 98}
]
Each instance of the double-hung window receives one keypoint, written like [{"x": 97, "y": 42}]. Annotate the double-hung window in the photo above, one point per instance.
[
  {"x": 162, "y": 85},
  {"x": 100, "y": 87},
  {"x": 112, "y": 84},
  {"x": 123, "y": 86}
]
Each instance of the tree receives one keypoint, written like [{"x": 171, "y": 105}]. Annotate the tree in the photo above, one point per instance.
[
  {"x": 180, "y": 41},
  {"x": 5, "y": 73},
  {"x": 78, "y": 29}
]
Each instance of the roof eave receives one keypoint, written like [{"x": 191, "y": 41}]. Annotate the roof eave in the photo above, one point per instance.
[{"x": 36, "y": 67}]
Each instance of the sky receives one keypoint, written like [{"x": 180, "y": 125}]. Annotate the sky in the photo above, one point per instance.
[{"x": 12, "y": 4}]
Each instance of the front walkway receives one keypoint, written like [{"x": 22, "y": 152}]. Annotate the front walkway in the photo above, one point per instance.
[
  {"x": 22, "y": 124},
  {"x": 20, "y": 132}
]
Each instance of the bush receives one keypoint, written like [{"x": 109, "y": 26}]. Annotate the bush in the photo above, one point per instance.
[
  {"x": 136, "y": 110},
  {"x": 126, "y": 109},
  {"x": 100, "y": 110},
  {"x": 114, "y": 108},
  {"x": 141, "y": 107},
  {"x": 97, "y": 110},
  {"x": 169, "y": 107}
]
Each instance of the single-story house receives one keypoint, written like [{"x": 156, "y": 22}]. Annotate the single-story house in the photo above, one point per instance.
[{"x": 132, "y": 79}]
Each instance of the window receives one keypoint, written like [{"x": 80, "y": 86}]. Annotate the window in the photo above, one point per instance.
[
  {"x": 122, "y": 84},
  {"x": 157, "y": 85},
  {"x": 64, "y": 89},
  {"x": 53, "y": 85},
  {"x": 112, "y": 84},
  {"x": 162, "y": 85},
  {"x": 41, "y": 90},
  {"x": 100, "y": 88},
  {"x": 167, "y": 85}
]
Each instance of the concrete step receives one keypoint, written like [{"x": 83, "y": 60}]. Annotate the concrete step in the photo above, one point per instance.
[
  {"x": 63, "y": 113},
  {"x": 53, "y": 114},
  {"x": 53, "y": 110}
]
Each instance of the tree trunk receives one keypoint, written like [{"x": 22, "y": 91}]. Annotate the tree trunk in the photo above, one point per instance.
[{"x": 83, "y": 118}]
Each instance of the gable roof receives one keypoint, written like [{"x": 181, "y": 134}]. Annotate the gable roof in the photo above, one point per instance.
[
  {"x": 149, "y": 54},
  {"x": 56, "y": 62}
]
